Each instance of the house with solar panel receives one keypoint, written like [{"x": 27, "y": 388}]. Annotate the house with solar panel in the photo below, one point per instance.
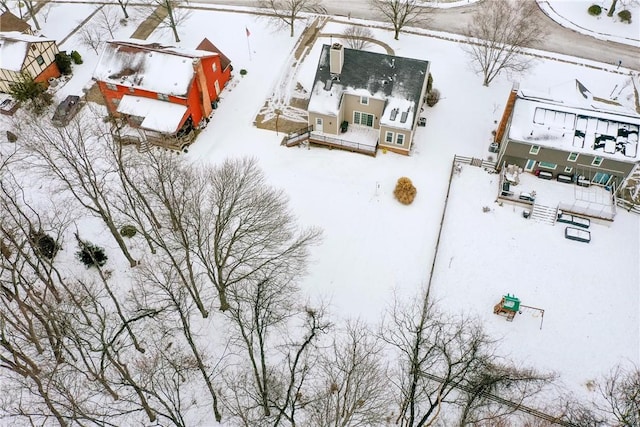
[{"x": 569, "y": 134}]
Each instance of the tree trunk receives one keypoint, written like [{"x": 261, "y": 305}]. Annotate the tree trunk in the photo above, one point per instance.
[{"x": 612, "y": 9}]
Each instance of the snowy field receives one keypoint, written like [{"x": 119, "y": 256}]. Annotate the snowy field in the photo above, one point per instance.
[{"x": 374, "y": 246}]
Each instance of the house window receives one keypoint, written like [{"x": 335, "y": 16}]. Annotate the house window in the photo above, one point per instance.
[
  {"x": 568, "y": 169},
  {"x": 388, "y": 137},
  {"x": 40, "y": 60},
  {"x": 572, "y": 157},
  {"x": 547, "y": 165},
  {"x": 362, "y": 118},
  {"x": 400, "y": 139},
  {"x": 111, "y": 86},
  {"x": 535, "y": 149},
  {"x": 131, "y": 89},
  {"x": 215, "y": 67},
  {"x": 597, "y": 161},
  {"x": 163, "y": 97},
  {"x": 364, "y": 100}
]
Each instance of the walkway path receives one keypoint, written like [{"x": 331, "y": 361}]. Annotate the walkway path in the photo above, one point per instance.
[{"x": 149, "y": 25}]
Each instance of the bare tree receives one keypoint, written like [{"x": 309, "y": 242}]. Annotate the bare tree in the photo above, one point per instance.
[
  {"x": 402, "y": 13},
  {"x": 353, "y": 386},
  {"x": 436, "y": 354},
  {"x": 74, "y": 157},
  {"x": 501, "y": 31},
  {"x": 123, "y": 5},
  {"x": 170, "y": 15},
  {"x": 102, "y": 28},
  {"x": 287, "y": 12},
  {"x": 357, "y": 37},
  {"x": 621, "y": 391},
  {"x": 32, "y": 10},
  {"x": 244, "y": 229},
  {"x": 497, "y": 381}
]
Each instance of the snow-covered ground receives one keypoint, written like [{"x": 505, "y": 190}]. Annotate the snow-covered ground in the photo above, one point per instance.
[
  {"x": 373, "y": 245},
  {"x": 573, "y": 14}
]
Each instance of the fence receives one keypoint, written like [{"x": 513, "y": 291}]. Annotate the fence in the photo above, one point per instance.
[{"x": 296, "y": 137}]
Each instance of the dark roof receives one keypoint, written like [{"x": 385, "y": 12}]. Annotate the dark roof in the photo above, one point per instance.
[
  {"x": 210, "y": 47},
  {"x": 395, "y": 76},
  {"x": 10, "y": 22}
]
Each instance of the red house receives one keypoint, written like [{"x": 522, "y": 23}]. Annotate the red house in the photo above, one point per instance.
[{"x": 163, "y": 92}]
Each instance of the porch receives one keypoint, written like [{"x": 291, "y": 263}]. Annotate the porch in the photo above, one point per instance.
[
  {"x": 357, "y": 138},
  {"x": 144, "y": 139}
]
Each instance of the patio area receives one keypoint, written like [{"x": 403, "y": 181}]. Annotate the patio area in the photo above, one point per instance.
[{"x": 525, "y": 188}]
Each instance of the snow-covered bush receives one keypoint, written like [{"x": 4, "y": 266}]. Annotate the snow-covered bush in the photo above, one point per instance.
[
  {"x": 433, "y": 97},
  {"x": 405, "y": 192},
  {"x": 128, "y": 231},
  {"x": 625, "y": 16},
  {"x": 91, "y": 255},
  {"x": 594, "y": 10}
]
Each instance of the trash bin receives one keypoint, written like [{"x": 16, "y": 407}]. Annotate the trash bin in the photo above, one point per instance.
[{"x": 526, "y": 214}]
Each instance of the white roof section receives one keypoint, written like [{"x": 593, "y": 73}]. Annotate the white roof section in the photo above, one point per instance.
[
  {"x": 13, "y": 48},
  {"x": 160, "y": 116},
  {"x": 398, "y": 113},
  {"x": 149, "y": 66},
  {"x": 542, "y": 120},
  {"x": 325, "y": 102}
]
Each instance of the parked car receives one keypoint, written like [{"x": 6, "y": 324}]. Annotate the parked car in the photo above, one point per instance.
[
  {"x": 8, "y": 106},
  {"x": 66, "y": 110}
]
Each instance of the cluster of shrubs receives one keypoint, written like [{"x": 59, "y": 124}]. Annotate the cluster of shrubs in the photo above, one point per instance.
[
  {"x": 624, "y": 15},
  {"x": 405, "y": 192}
]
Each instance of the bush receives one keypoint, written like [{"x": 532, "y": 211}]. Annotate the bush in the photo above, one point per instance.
[
  {"x": 33, "y": 93},
  {"x": 5, "y": 250},
  {"x": 63, "y": 61},
  {"x": 91, "y": 255},
  {"x": 594, "y": 10},
  {"x": 405, "y": 192},
  {"x": 243, "y": 72},
  {"x": 625, "y": 16},
  {"x": 429, "y": 83},
  {"x": 77, "y": 59},
  {"x": 45, "y": 245},
  {"x": 128, "y": 231},
  {"x": 433, "y": 97}
]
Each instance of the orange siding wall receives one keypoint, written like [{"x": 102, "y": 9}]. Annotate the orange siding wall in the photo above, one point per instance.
[{"x": 51, "y": 71}]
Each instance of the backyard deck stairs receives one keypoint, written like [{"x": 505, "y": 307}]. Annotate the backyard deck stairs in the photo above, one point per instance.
[
  {"x": 544, "y": 214},
  {"x": 144, "y": 146}
]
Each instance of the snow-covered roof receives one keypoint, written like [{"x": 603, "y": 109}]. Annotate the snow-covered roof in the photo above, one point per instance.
[
  {"x": 394, "y": 79},
  {"x": 149, "y": 66},
  {"x": 161, "y": 116},
  {"x": 576, "y": 121},
  {"x": 13, "y": 48},
  {"x": 10, "y": 22}
]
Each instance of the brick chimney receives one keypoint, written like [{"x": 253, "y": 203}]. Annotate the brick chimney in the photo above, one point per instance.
[
  {"x": 336, "y": 58},
  {"x": 508, "y": 109}
]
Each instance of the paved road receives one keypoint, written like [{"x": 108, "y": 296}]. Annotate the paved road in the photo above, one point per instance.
[{"x": 455, "y": 20}]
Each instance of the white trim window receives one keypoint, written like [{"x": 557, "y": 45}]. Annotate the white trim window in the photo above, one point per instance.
[
  {"x": 573, "y": 157},
  {"x": 399, "y": 139},
  {"x": 215, "y": 67},
  {"x": 112, "y": 86},
  {"x": 535, "y": 149},
  {"x": 388, "y": 137},
  {"x": 365, "y": 119},
  {"x": 547, "y": 165},
  {"x": 568, "y": 169},
  {"x": 597, "y": 161},
  {"x": 163, "y": 97},
  {"x": 364, "y": 100}
]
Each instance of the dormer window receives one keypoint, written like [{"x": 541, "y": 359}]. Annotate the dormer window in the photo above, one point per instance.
[
  {"x": 111, "y": 86},
  {"x": 163, "y": 97},
  {"x": 364, "y": 100}
]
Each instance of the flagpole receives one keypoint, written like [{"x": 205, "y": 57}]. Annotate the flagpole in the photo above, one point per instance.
[{"x": 248, "y": 44}]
